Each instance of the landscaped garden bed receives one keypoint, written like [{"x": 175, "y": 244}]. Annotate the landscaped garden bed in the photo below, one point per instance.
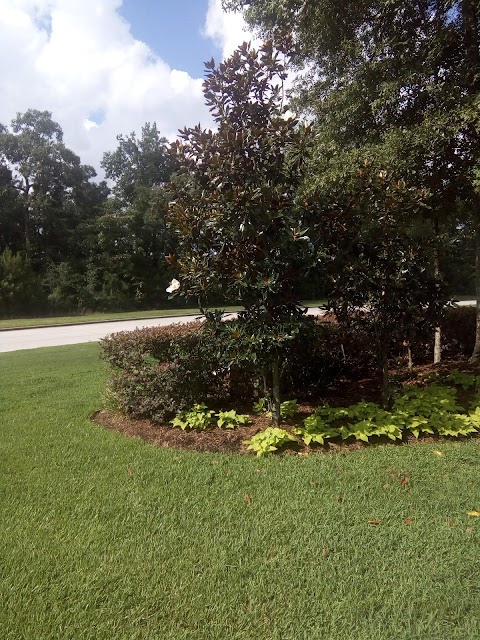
[{"x": 431, "y": 403}]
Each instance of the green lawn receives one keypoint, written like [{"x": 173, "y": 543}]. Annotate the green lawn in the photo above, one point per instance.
[{"x": 106, "y": 538}]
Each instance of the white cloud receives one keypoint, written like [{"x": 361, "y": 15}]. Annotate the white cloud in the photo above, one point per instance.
[
  {"x": 79, "y": 60},
  {"x": 227, "y": 30}
]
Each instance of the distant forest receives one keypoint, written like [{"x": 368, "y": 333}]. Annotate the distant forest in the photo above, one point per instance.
[{"x": 69, "y": 244}]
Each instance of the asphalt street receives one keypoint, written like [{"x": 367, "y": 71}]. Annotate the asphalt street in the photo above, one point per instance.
[
  {"x": 18, "y": 339},
  {"x": 55, "y": 336}
]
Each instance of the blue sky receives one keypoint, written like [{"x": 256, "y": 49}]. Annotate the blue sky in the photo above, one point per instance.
[
  {"x": 174, "y": 31},
  {"x": 106, "y": 67}
]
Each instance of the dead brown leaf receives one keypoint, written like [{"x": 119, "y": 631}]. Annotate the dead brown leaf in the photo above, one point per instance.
[
  {"x": 248, "y": 500},
  {"x": 409, "y": 520},
  {"x": 405, "y": 480},
  {"x": 374, "y": 521},
  {"x": 314, "y": 484},
  {"x": 450, "y": 522},
  {"x": 130, "y": 472}
]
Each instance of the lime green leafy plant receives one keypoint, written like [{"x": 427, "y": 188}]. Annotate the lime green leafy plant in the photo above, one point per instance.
[
  {"x": 462, "y": 379},
  {"x": 269, "y": 440},
  {"x": 315, "y": 430},
  {"x": 231, "y": 419},
  {"x": 426, "y": 401},
  {"x": 199, "y": 417},
  {"x": 288, "y": 408}
]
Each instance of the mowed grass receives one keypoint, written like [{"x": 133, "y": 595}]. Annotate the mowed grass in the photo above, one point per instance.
[{"x": 105, "y": 537}]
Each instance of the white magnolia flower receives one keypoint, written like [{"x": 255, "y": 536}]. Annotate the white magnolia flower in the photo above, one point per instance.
[
  {"x": 288, "y": 115},
  {"x": 174, "y": 286}
]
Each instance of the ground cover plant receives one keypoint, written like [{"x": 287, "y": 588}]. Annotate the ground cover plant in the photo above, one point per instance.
[
  {"x": 434, "y": 404},
  {"x": 105, "y": 537}
]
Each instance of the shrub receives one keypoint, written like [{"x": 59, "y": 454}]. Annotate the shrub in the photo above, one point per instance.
[
  {"x": 322, "y": 353},
  {"x": 160, "y": 371},
  {"x": 458, "y": 327}
]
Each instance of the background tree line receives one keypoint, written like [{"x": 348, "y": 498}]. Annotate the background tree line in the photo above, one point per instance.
[
  {"x": 70, "y": 244},
  {"x": 393, "y": 84}
]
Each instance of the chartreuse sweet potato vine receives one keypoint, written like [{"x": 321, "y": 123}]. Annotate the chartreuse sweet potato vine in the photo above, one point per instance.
[
  {"x": 431, "y": 410},
  {"x": 288, "y": 408},
  {"x": 200, "y": 418},
  {"x": 269, "y": 440}
]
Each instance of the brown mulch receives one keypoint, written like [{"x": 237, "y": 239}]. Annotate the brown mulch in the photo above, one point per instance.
[
  {"x": 343, "y": 393},
  {"x": 220, "y": 440},
  {"x": 213, "y": 440}
]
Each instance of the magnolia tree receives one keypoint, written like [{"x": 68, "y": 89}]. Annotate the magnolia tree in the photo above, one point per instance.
[
  {"x": 242, "y": 238},
  {"x": 377, "y": 255}
]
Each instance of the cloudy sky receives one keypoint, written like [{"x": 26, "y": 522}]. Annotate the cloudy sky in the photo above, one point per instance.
[{"x": 104, "y": 67}]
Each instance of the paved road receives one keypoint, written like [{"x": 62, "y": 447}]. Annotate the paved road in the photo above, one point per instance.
[{"x": 55, "y": 336}]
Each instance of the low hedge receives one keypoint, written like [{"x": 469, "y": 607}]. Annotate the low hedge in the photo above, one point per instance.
[{"x": 159, "y": 371}]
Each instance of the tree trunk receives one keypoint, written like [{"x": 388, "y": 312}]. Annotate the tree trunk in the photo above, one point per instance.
[
  {"x": 276, "y": 391},
  {"x": 437, "y": 346},
  {"x": 384, "y": 375},
  {"x": 471, "y": 19},
  {"x": 409, "y": 359},
  {"x": 27, "y": 217},
  {"x": 475, "y": 357}
]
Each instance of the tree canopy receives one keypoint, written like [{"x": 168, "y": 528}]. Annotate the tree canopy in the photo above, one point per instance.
[
  {"x": 67, "y": 235},
  {"x": 138, "y": 163},
  {"x": 241, "y": 235},
  {"x": 395, "y": 81}
]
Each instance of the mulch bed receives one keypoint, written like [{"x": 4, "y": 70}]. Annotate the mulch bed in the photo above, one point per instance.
[
  {"x": 343, "y": 393},
  {"x": 213, "y": 440}
]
